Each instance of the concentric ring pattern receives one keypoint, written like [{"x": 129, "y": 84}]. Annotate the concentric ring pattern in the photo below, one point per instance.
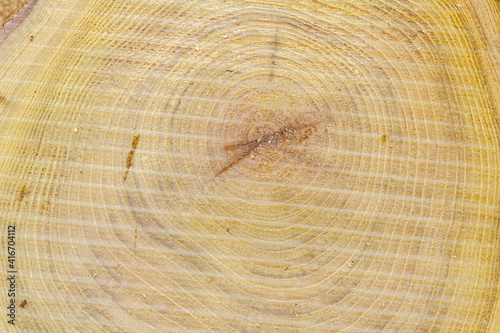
[{"x": 318, "y": 166}]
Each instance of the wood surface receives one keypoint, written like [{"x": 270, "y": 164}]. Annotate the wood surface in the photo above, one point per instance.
[
  {"x": 252, "y": 166},
  {"x": 8, "y": 8}
]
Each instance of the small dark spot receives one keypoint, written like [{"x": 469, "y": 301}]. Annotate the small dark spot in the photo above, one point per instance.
[
  {"x": 23, "y": 304},
  {"x": 227, "y": 229},
  {"x": 23, "y": 192},
  {"x": 3, "y": 100},
  {"x": 31, "y": 38},
  {"x": 45, "y": 205},
  {"x": 383, "y": 138},
  {"x": 130, "y": 156}
]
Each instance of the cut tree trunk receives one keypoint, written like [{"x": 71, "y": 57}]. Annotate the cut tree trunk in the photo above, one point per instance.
[{"x": 251, "y": 166}]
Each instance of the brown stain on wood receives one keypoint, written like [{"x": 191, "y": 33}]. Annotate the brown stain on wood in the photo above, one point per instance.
[
  {"x": 23, "y": 192},
  {"x": 45, "y": 206},
  {"x": 286, "y": 135},
  {"x": 23, "y": 304},
  {"x": 131, "y": 153}
]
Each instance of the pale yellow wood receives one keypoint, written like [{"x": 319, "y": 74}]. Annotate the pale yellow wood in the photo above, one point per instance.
[{"x": 252, "y": 166}]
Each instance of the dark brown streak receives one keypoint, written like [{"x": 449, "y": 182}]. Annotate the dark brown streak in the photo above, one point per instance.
[
  {"x": 130, "y": 157},
  {"x": 273, "y": 55},
  {"x": 266, "y": 139},
  {"x": 242, "y": 156},
  {"x": 23, "y": 192},
  {"x": 135, "y": 237},
  {"x": 271, "y": 137}
]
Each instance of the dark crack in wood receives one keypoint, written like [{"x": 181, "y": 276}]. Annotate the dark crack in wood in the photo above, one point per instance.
[
  {"x": 135, "y": 237},
  {"x": 284, "y": 134},
  {"x": 275, "y": 45},
  {"x": 130, "y": 156}
]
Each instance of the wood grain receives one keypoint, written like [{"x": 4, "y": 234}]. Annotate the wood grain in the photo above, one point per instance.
[
  {"x": 253, "y": 166},
  {"x": 8, "y": 8}
]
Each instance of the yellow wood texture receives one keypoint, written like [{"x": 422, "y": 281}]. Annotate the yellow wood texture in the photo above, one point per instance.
[{"x": 252, "y": 166}]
